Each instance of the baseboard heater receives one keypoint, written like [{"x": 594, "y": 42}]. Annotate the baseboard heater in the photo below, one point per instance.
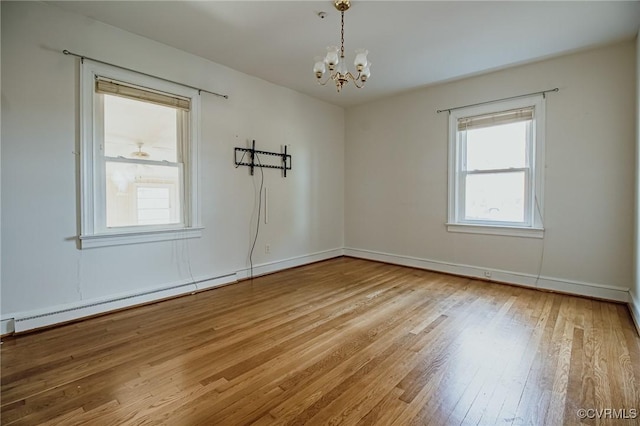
[
  {"x": 30, "y": 320},
  {"x": 44, "y": 319}
]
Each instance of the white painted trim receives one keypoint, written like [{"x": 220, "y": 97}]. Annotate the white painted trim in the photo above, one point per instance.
[
  {"x": 116, "y": 239},
  {"x": 25, "y": 321},
  {"x": 92, "y": 217},
  {"x": 634, "y": 308},
  {"x": 601, "y": 291},
  {"x": 7, "y": 326},
  {"x": 534, "y": 205},
  {"x": 510, "y": 231},
  {"x": 29, "y": 320},
  {"x": 292, "y": 262}
]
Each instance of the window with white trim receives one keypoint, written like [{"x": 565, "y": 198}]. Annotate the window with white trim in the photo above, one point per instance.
[
  {"x": 496, "y": 154},
  {"x": 139, "y": 158}
]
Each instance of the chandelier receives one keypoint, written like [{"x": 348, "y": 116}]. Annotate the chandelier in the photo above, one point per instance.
[{"x": 338, "y": 71}]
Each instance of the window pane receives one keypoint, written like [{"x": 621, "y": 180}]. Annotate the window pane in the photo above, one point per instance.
[
  {"x": 139, "y": 130},
  {"x": 495, "y": 197},
  {"x": 154, "y": 205},
  {"x": 497, "y": 147},
  {"x": 140, "y": 194}
]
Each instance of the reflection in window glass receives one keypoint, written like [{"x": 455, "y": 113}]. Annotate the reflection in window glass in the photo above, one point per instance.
[
  {"x": 142, "y": 194},
  {"x": 153, "y": 205},
  {"x": 139, "y": 130}
]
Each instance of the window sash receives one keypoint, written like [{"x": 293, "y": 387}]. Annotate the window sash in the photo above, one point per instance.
[
  {"x": 536, "y": 156},
  {"x": 462, "y": 215},
  {"x": 516, "y": 115},
  {"x": 100, "y": 172},
  {"x": 140, "y": 161},
  {"x": 179, "y": 188}
]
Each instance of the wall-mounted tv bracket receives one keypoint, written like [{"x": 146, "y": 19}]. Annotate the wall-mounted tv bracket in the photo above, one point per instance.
[{"x": 284, "y": 158}]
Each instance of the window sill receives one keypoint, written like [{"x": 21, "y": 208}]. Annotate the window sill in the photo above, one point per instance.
[
  {"x": 136, "y": 237},
  {"x": 509, "y": 231}
]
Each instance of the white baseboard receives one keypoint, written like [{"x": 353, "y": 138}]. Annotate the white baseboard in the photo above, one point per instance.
[
  {"x": 634, "y": 308},
  {"x": 30, "y": 320},
  {"x": 292, "y": 262},
  {"x": 600, "y": 291},
  {"x": 7, "y": 327},
  {"x": 25, "y": 321}
]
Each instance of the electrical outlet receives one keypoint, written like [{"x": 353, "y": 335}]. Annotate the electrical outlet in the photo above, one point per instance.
[
  {"x": 267, "y": 249},
  {"x": 487, "y": 274}
]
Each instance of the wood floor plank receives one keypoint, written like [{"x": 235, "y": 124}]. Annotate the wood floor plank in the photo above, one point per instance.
[
  {"x": 440, "y": 391},
  {"x": 533, "y": 400},
  {"x": 504, "y": 400},
  {"x": 345, "y": 341},
  {"x": 506, "y": 349}
]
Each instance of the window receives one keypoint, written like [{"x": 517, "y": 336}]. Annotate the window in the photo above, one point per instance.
[
  {"x": 139, "y": 158},
  {"x": 495, "y": 168}
]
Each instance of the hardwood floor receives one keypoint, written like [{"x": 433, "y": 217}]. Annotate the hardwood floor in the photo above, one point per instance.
[{"x": 343, "y": 341}]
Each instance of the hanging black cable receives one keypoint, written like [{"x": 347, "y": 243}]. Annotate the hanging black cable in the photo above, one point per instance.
[
  {"x": 253, "y": 246},
  {"x": 241, "y": 158}
]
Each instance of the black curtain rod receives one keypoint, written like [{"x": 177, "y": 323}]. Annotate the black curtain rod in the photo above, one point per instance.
[
  {"x": 82, "y": 58},
  {"x": 542, "y": 92}
]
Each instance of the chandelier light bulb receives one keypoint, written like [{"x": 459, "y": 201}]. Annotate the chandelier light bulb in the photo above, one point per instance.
[
  {"x": 361, "y": 59},
  {"x": 366, "y": 72},
  {"x": 319, "y": 68},
  {"x": 332, "y": 57}
]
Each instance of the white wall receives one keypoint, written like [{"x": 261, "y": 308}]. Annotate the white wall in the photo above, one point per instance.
[
  {"x": 396, "y": 177},
  {"x": 44, "y": 271},
  {"x": 389, "y": 203},
  {"x": 635, "y": 289}
]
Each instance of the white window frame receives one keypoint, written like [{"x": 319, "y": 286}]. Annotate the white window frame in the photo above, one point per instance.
[
  {"x": 93, "y": 230},
  {"x": 533, "y": 223}
]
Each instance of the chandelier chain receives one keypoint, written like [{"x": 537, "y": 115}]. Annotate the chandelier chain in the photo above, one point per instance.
[{"x": 342, "y": 36}]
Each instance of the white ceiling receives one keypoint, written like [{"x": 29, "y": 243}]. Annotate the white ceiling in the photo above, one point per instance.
[{"x": 411, "y": 43}]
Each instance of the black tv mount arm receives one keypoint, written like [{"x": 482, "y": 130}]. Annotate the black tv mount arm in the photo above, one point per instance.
[{"x": 284, "y": 157}]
